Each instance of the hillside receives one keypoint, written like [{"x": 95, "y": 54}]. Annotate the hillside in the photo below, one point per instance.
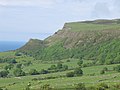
[
  {"x": 97, "y": 40},
  {"x": 81, "y": 56}
]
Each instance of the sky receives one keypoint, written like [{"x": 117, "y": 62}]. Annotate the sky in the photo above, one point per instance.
[{"x": 21, "y": 20}]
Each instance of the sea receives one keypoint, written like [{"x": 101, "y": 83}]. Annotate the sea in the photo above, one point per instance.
[{"x": 10, "y": 45}]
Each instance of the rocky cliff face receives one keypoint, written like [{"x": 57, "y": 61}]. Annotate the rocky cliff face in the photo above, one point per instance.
[{"x": 92, "y": 31}]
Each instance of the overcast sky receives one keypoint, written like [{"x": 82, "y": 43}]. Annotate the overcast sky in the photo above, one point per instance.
[{"x": 21, "y": 20}]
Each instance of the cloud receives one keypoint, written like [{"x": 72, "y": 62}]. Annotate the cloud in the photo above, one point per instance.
[
  {"x": 41, "y": 3},
  {"x": 101, "y": 10},
  {"x": 117, "y": 5}
]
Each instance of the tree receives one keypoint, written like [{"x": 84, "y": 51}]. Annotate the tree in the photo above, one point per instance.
[
  {"x": 18, "y": 72},
  {"x": 78, "y": 72},
  {"x": 80, "y": 86}
]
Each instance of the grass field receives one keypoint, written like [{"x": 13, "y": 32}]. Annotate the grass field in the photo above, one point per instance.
[
  {"x": 63, "y": 82},
  {"x": 75, "y": 26}
]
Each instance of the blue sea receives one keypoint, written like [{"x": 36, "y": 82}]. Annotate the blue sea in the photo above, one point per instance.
[{"x": 10, "y": 45}]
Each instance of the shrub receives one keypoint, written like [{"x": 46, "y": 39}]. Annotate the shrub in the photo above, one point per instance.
[
  {"x": 68, "y": 60},
  {"x": 117, "y": 68},
  {"x": 78, "y": 72},
  {"x": 19, "y": 65},
  {"x": 70, "y": 74},
  {"x": 44, "y": 71},
  {"x": 59, "y": 66},
  {"x": 105, "y": 69},
  {"x": 4, "y": 73},
  {"x": 53, "y": 67},
  {"x": 80, "y": 62},
  {"x": 27, "y": 88},
  {"x": 46, "y": 87},
  {"x": 18, "y": 72},
  {"x": 65, "y": 67},
  {"x": 117, "y": 86},
  {"x": 102, "y": 72},
  {"x": 33, "y": 72},
  {"x": 18, "y": 54},
  {"x": 91, "y": 88},
  {"x": 9, "y": 67},
  {"x": 102, "y": 86},
  {"x": 12, "y": 61},
  {"x": 1, "y": 89},
  {"x": 80, "y": 86}
]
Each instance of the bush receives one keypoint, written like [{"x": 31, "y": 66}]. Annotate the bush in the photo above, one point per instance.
[
  {"x": 1, "y": 89},
  {"x": 91, "y": 88},
  {"x": 4, "y": 73},
  {"x": 18, "y": 54},
  {"x": 59, "y": 66},
  {"x": 19, "y": 65},
  {"x": 12, "y": 61},
  {"x": 18, "y": 72},
  {"x": 46, "y": 87},
  {"x": 102, "y": 86},
  {"x": 80, "y": 62},
  {"x": 44, "y": 71},
  {"x": 33, "y": 72},
  {"x": 117, "y": 86},
  {"x": 68, "y": 60},
  {"x": 27, "y": 88},
  {"x": 80, "y": 86},
  {"x": 65, "y": 67},
  {"x": 70, "y": 74},
  {"x": 105, "y": 69},
  {"x": 53, "y": 67},
  {"x": 117, "y": 68},
  {"x": 102, "y": 72},
  {"x": 9, "y": 67},
  {"x": 78, "y": 72}
]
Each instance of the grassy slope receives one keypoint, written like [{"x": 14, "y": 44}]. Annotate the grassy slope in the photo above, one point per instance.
[
  {"x": 85, "y": 38},
  {"x": 91, "y": 27}
]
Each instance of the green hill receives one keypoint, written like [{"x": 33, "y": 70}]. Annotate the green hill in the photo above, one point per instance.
[{"x": 97, "y": 40}]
